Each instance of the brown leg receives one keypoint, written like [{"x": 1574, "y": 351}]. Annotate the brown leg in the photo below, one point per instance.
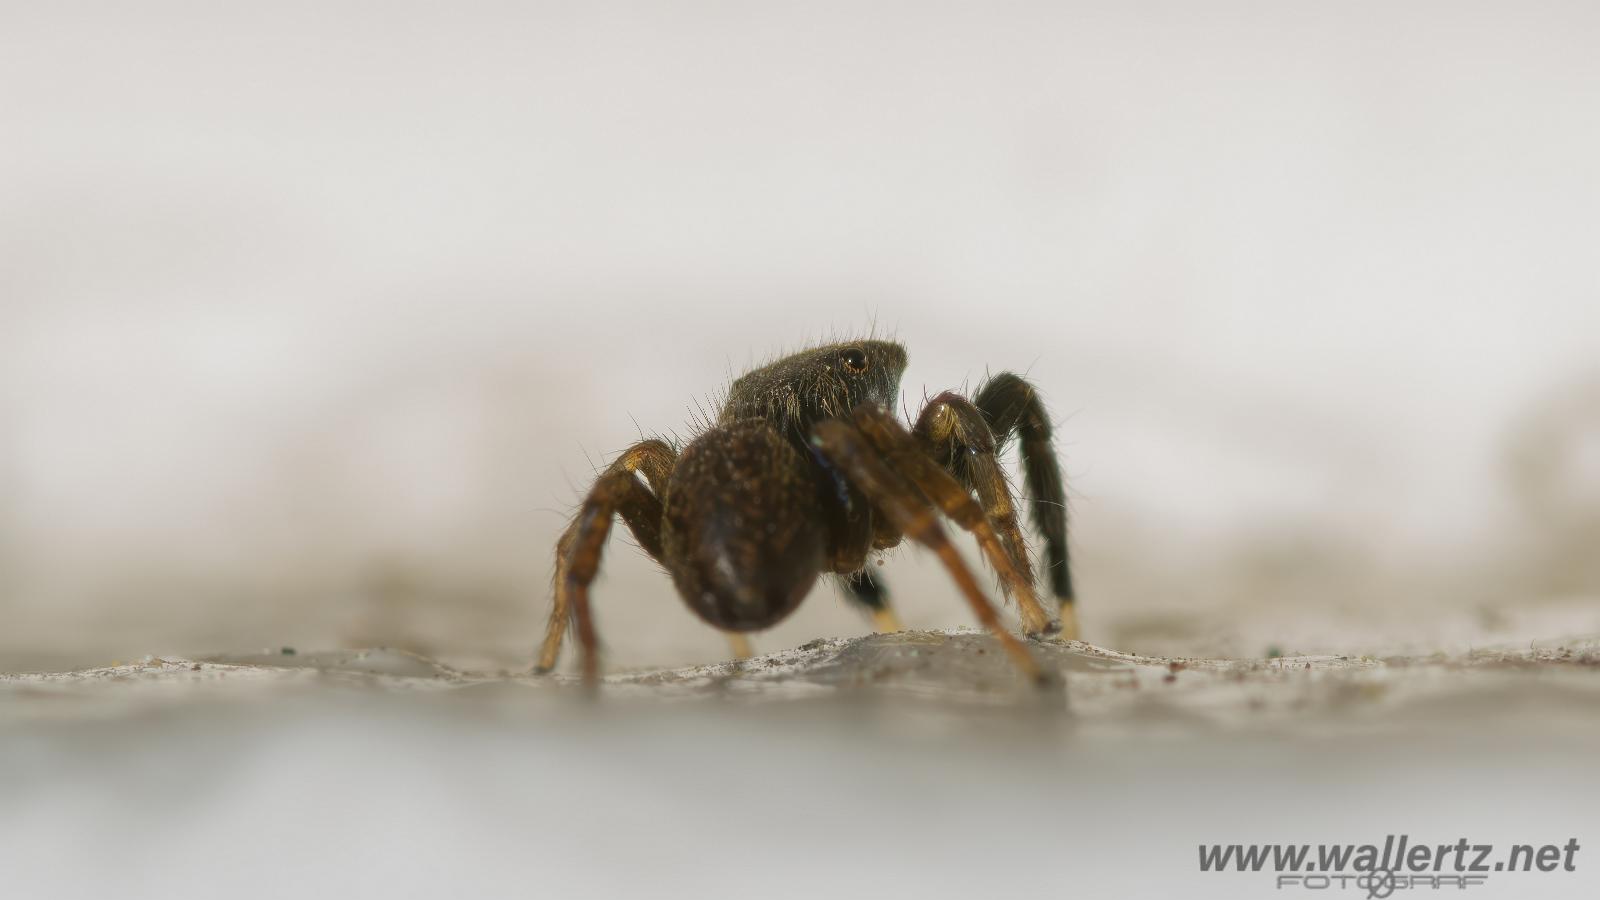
[
  {"x": 617, "y": 491},
  {"x": 899, "y": 499},
  {"x": 905, "y": 455},
  {"x": 955, "y": 433}
]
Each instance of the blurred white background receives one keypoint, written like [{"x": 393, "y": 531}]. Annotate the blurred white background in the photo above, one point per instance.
[{"x": 315, "y": 318}]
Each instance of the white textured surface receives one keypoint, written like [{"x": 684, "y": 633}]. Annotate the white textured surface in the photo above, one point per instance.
[{"x": 901, "y": 765}]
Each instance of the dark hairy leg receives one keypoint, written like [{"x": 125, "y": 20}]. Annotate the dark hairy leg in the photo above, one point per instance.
[
  {"x": 901, "y": 450},
  {"x": 1014, "y": 411},
  {"x": 871, "y": 593},
  {"x": 578, "y": 551},
  {"x": 842, "y": 445}
]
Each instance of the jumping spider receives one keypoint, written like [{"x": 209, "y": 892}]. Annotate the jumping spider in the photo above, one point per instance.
[{"x": 807, "y": 472}]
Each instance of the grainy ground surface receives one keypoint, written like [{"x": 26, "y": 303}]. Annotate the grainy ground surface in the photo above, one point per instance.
[
  {"x": 938, "y": 673},
  {"x": 910, "y": 764}
]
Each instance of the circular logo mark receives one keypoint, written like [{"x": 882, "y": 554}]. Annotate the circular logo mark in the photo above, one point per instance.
[{"x": 1380, "y": 883}]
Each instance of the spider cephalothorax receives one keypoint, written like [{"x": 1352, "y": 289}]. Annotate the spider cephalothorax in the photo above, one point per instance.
[
  {"x": 807, "y": 472},
  {"x": 802, "y": 389}
]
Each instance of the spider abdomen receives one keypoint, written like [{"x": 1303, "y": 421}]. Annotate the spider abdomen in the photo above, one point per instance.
[{"x": 738, "y": 533}]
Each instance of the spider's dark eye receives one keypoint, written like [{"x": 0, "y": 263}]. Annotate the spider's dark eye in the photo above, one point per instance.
[{"x": 855, "y": 362}]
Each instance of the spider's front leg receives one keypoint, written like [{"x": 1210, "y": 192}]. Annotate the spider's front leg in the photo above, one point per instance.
[
  {"x": 578, "y": 551},
  {"x": 954, "y": 433},
  {"x": 965, "y": 436},
  {"x": 870, "y": 470},
  {"x": 997, "y": 536}
]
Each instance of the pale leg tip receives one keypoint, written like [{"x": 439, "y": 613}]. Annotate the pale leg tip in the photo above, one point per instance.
[
  {"x": 739, "y": 645},
  {"x": 1069, "y": 623}
]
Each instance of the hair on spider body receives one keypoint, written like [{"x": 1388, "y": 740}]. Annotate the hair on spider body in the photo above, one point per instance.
[
  {"x": 736, "y": 537},
  {"x": 805, "y": 472},
  {"x": 797, "y": 391}
]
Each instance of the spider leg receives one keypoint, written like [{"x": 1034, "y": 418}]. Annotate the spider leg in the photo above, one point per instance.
[
  {"x": 739, "y": 645},
  {"x": 870, "y": 592},
  {"x": 578, "y": 550},
  {"x": 901, "y": 449},
  {"x": 1013, "y": 409},
  {"x": 898, "y": 498},
  {"x": 955, "y": 434}
]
